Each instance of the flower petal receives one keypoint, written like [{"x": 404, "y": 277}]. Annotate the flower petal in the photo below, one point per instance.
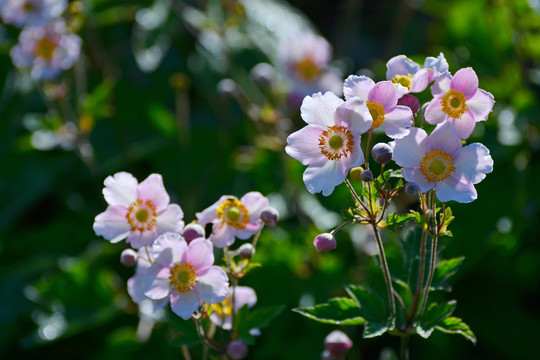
[
  {"x": 319, "y": 109},
  {"x": 120, "y": 189},
  {"x": 444, "y": 138},
  {"x": 135, "y": 288},
  {"x": 169, "y": 249},
  {"x": 152, "y": 189},
  {"x": 324, "y": 178},
  {"x": 213, "y": 286},
  {"x": 184, "y": 305},
  {"x": 200, "y": 254},
  {"x": 421, "y": 80},
  {"x": 400, "y": 65},
  {"x": 254, "y": 202},
  {"x": 433, "y": 112},
  {"x": 357, "y": 86},
  {"x": 464, "y": 126},
  {"x": 138, "y": 239},
  {"x": 303, "y": 145},
  {"x": 112, "y": 223},
  {"x": 155, "y": 282},
  {"x": 442, "y": 85},
  {"x": 473, "y": 162},
  {"x": 384, "y": 92},
  {"x": 466, "y": 81},
  {"x": 438, "y": 64},
  {"x": 243, "y": 295},
  {"x": 481, "y": 104},
  {"x": 409, "y": 151},
  {"x": 222, "y": 235},
  {"x": 416, "y": 176},
  {"x": 209, "y": 214},
  {"x": 170, "y": 220},
  {"x": 397, "y": 123},
  {"x": 355, "y": 114},
  {"x": 355, "y": 158},
  {"x": 452, "y": 189}
]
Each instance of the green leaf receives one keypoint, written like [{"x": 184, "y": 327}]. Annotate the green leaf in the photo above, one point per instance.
[
  {"x": 338, "y": 311},
  {"x": 372, "y": 310},
  {"x": 163, "y": 120},
  {"x": 247, "y": 319},
  {"x": 444, "y": 272},
  {"x": 454, "y": 325},
  {"x": 251, "y": 266},
  {"x": 97, "y": 103},
  {"x": 185, "y": 330},
  {"x": 448, "y": 218},
  {"x": 434, "y": 314},
  {"x": 394, "y": 221}
]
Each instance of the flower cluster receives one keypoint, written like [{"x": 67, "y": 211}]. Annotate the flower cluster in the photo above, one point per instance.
[{"x": 46, "y": 45}]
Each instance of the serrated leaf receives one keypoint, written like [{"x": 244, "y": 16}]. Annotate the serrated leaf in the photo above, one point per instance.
[
  {"x": 404, "y": 292},
  {"x": 394, "y": 221},
  {"x": 434, "y": 314},
  {"x": 372, "y": 310},
  {"x": 247, "y": 319},
  {"x": 338, "y": 311},
  {"x": 448, "y": 218},
  {"x": 454, "y": 325},
  {"x": 444, "y": 272}
]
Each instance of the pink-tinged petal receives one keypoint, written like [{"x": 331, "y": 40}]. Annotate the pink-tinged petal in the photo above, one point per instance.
[
  {"x": 464, "y": 126},
  {"x": 209, "y": 214},
  {"x": 222, "y": 235},
  {"x": 452, "y": 189},
  {"x": 169, "y": 249},
  {"x": 324, "y": 178},
  {"x": 481, "y": 104},
  {"x": 438, "y": 64},
  {"x": 442, "y": 85},
  {"x": 250, "y": 229},
  {"x": 170, "y": 220},
  {"x": 409, "y": 151},
  {"x": 135, "y": 288},
  {"x": 466, "y": 81},
  {"x": 120, "y": 189},
  {"x": 254, "y": 202},
  {"x": 397, "y": 123},
  {"x": 213, "y": 286},
  {"x": 416, "y": 176},
  {"x": 401, "y": 90},
  {"x": 421, "y": 80},
  {"x": 152, "y": 189},
  {"x": 444, "y": 138},
  {"x": 355, "y": 158},
  {"x": 433, "y": 112},
  {"x": 319, "y": 109},
  {"x": 200, "y": 254},
  {"x": 223, "y": 321},
  {"x": 243, "y": 295},
  {"x": 357, "y": 86},
  {"x": 400, "y": 65},
  {"x": 184, "y": 305},
  {"x": 155, "y": 282},
  {"x": 303, "y": 145},
  {"x": 411, "y": 102},
  {"x": 354, "y": 114},
  {"x": 112, "y": 224},
  {"x": 384, "y": 92},
  {"x": 139, "y": 239},
  {"x": 473, "y": 162}
]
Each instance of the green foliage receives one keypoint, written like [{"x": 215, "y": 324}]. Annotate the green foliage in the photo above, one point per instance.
[
  {"x": 373, "y": 310},
  {"x": 444, "y": 273},
  {"x": 247, "y": 319},
  {"x": 395, "y": 221},
  {"x": 433, "y": 315},
  {"x": 454, "y": 325},
  {"x": 338, "y": 311},
  {"x": 185, "y": 331}
]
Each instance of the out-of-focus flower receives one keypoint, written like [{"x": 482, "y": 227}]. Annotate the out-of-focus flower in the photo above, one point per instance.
[
  {"x": 407, "y": 75},
  {"x": 330, "y": 143},
  {"x": 193, "y": 231},
  {"x": 337, "y": 343},
  {"x": 458, "y": 100},
  {"x": 411, "y": 102},
  {"x": 185, "y": 274},
  {"x": 237, "y": 349},
  {"x": 325, "y": 242},
  {"x": 221, "y": 313},
  {"x": 46, "y": 50},
  {"x": 269, "y": 216},
  {"x": 234, "y": 218},
  {"x": 138, "y": 212},
  {"x": 381, "y": 99},
  {"x": 439, "y": 161},
  {"x": 31, "y": 12}
]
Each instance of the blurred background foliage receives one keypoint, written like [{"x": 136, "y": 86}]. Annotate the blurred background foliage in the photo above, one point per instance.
[{"x": 148, "y": 96}]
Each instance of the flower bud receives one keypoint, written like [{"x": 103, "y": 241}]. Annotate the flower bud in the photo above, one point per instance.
[
  {"x": 412, "y": 189},
  {"x": 355, "y": 172},
  {"x": 227, "y": 87},
  {"x": 128, "y": 258},
  {"x": 269, "y": 216},
  {"x": 237, "y": 350},
  {"x": 246, "y": 251},
  {"x": 263, "y": 74},
  {"x": 192, "y": 231},
  {"x": 366, "y": 176},
  {"x": 411, "y": 102},
  {"x": 337, "y": 343},
  {"x": 325, "y": 242},
  {"x": 382, "y": 153}
]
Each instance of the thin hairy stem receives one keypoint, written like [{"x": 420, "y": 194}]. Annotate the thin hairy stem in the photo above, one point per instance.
[
  {"x": 386, "y": 272},
  {"x": 420, "y": 279},
  {"x": 185, "y": 352}
]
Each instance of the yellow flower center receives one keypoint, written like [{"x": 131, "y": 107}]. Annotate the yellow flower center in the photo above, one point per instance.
[
  {"x": 234, "y": 213},
  {"x": 307, "y": 69},
  {"x": 335, "y": 142},
  {"x": 437, "y": 165},
  {"x": 223, "y": 308},
  {"x": 454, "y": 104},
  {"x": 183, "y": 277},
  {"x": 141, "y": 215},
  {"x": 405, "y": 80},
  {"x": 377, "y": 113},
  {"x": 45, "y": 48}
]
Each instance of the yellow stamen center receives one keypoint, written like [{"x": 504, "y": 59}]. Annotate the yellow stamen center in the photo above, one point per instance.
[
  {"x": 335, "y": 142},
  {"x": 223, "y": 308},
  {"x": 234, "y": 213},
  {"x": 405, "y": 80},
  {"x": 437, "y": 165},
  {"x": 454, "y": 104},
  {"x": 307, "y": 69},
  {"x": 45, "y": 48},
  {"x": 183, "y": 277},
  {"x": 141, "y": 215},
  {"x": 377, "y": 113}
]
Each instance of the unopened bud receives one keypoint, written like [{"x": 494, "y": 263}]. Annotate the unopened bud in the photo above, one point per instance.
[
  {"x": 411, "y": 102},
  {"x": 246, "y": 251},
  {"x": 366, "y": 176},
  {"x": 227, "y": 87},
  {"x": 325, "y": 242},
  {"x": 128, "y": 258},
  {"x": 269, "y": 216},
  {"x": 192, "y": 231},
  {"x": 237, "y": 350},
  {"x": 355, "y": 172},
  {"x": 412, "y": 189},
  {"x": 382, "y": 153},
  {"x": 263, "y": 74},
  {"x": 337, "y": 343}
]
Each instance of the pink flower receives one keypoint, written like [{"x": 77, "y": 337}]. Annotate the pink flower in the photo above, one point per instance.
[
  {"x": 330, "y": 143},
  {"x": 31, "y": 12},
  {"x": 138, "y": 212},
  {"x": 381, "y": 100},
  {"x": 439, "y": 161},
  {"x": 234, "y": 218},
  {"x": 185, "y": 274},
  {"x": 337, "y": 343},
  {"x": 222, "y": 312},
  {"x": 459, "y": 100}
]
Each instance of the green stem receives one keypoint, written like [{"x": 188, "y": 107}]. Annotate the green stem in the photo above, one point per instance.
[
  {"x": 404, "y": 347},
  {"x": 185, "y": 352},
  {"x": 419, "y": 285},
  {"x": 386, "y": 272}
]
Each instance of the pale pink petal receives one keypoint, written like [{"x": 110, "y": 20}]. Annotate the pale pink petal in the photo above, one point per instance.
[
  {"x": 438, "y": 64},
  {"x": 401, "y": 90},
  {"x": 466, "y": 81},
  {"x": 421, "y": 80},
  {"x": 120, "y": 189},
  {"x": 473, "y": 162},
  {"x": 170, "y": 220},
  {"x": 243, "y": 295},
  {"x": 452, "y": 189},
  {"x": 444, "y": 138},
  {"x": 169, "y": 249},
  {"x": 409, "y": 151},
  {"x": 464, "y": 126},
  {"x": 254, "y": 202},
  {"x": 303, "y": 145},
  {"x": 481, "y": 104},
  {"x": 397, "y": 123},
  {"x": 209, "y": 214},
  {"x": 155, "y": 282},
  {"x": 138, "y": 239},
  {"x": 200, "y": 254},
  {"x": 222, "y": 235},
  {"x": 184, "y": 305},
  {"x": 250, "y": 229},
  {"x": 319, "y": 109},
  {"x": 355, "y": 158},
  {"x": 357, "y": 86},
  {"x": 384, "y": 92},
  {"x": 400, "y": 65},
  {"x": 213, "y": 286},
  {"x": 442, "y": 85},
  {"x": 324, "y": 178},
  {"x": 416, "y": 176},
  {"x": 433, "y": 112},
  {"x": 112, "y": 224},
  {"x": 354, "y": 114},
  {"x": 135, "y": 288},
  {"x": 152, "y": 189}
]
